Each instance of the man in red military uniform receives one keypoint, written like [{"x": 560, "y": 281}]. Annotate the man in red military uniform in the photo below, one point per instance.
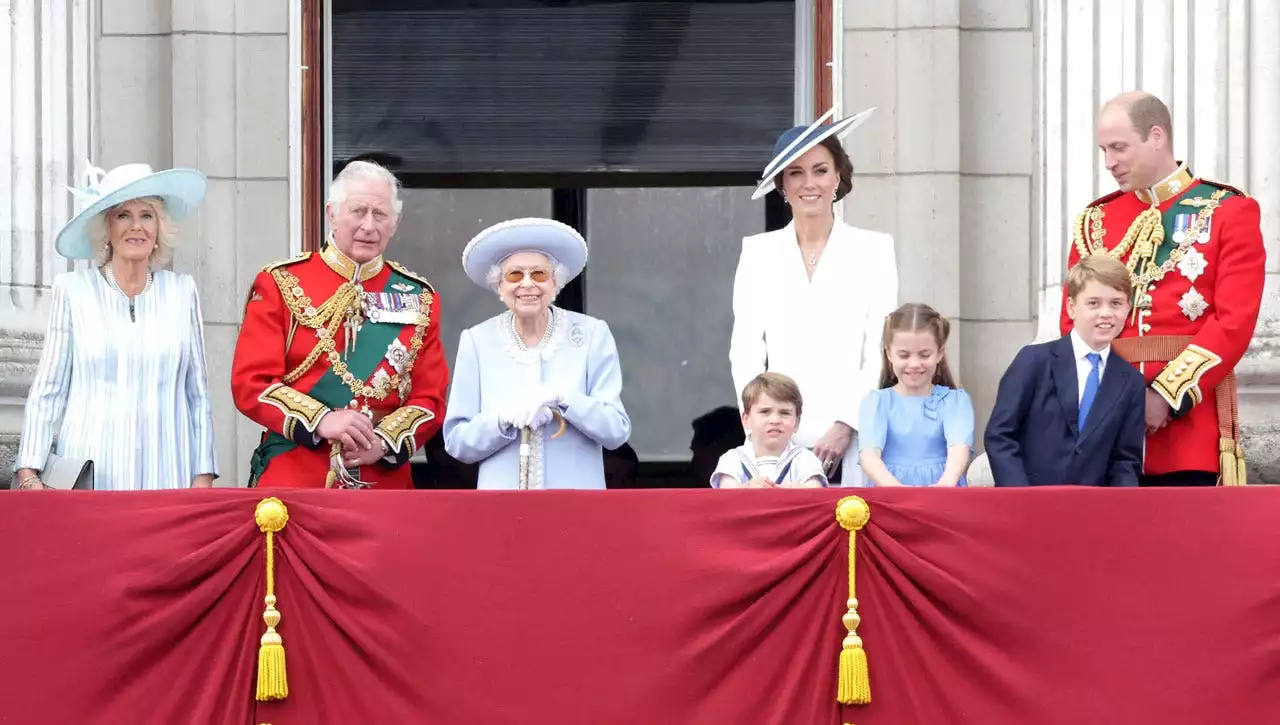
[
  {"x": 339, "y": 357},
  {"x": 1194, "y": 248}
]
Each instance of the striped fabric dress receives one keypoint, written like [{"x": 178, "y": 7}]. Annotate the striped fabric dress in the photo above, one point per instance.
[{"x": 130, "y": 395}]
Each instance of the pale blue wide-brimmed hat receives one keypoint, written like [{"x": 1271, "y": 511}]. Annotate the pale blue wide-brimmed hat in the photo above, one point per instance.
[
  {"x": 796, "y": 142},
  {"x": 534, "y": 234},
  {"x": 181, "y": 190}
]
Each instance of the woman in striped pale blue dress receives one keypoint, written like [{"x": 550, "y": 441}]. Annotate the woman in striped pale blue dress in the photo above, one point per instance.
[{"x": 121, "y": 381}]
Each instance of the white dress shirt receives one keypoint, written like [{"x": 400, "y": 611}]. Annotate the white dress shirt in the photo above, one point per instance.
[
  {"x": 1080, "y": 349},
  {"x": 824, "y": 332}
]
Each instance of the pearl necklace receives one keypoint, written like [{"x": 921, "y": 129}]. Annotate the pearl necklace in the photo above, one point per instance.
[
  {"x": 515, "y": 332},
  {"x": 111, "y": 280}
]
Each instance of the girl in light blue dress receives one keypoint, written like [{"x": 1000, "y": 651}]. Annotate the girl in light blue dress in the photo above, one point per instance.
[{"x": 917, "y": 429}]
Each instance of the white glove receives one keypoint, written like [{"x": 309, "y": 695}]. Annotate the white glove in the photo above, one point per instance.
[
  {"x": 538, "y": 417},
  {"x": 539, "y": 406}
]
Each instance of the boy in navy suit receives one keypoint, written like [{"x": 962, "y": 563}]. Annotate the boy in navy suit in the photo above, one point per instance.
[{"x": 1069, "y": 411}]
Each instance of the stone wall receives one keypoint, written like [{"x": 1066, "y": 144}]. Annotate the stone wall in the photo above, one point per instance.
[{"x": 947, "y": 165}]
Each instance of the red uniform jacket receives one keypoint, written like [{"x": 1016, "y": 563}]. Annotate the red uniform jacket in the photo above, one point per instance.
[
  {"x": 1207, "y": 286},
  {"x": 291, "y": 365}
]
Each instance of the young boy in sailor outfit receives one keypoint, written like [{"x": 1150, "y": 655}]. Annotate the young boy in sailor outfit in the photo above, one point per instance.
[{"x": 771, "y": 405}]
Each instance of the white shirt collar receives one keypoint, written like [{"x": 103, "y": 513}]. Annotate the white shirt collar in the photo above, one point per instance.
[{"x": 1080, "y": 349}]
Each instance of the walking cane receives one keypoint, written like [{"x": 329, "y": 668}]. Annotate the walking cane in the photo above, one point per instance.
[
  {"x": 525, "y": 433},
  {"x": 526, "y": 447}
]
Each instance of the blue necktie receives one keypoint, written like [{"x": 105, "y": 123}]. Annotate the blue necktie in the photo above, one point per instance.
[{"x": 1090, "y": 391}]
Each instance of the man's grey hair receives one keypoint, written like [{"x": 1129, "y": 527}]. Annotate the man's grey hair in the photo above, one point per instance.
[
  {"x": 366, "y": 170},
  {"x": 558, "y": 272}
]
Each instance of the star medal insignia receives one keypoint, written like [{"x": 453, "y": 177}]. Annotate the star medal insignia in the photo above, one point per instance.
[{"x": 1193, "y": 304}]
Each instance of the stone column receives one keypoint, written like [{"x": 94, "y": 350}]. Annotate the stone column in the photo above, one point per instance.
[
  {"x": 47, "y": 63},
  {"x": 229, "y": 118},
  {"x": 904, "y": 59},
  {"x": 947, "y": 165},
  {"x": 1216, "y": 64}
]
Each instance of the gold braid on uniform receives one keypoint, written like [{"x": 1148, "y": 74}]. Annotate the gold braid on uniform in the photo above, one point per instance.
[
  {"x": 1147, "y": 232},
  {"x": 1144, "y": 237},
  {"x": 325, "y": 319},
  {"x": 328, "y": 317}
]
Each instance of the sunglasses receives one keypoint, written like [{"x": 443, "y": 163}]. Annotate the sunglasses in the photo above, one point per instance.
[{"x": 516, "y": 276}]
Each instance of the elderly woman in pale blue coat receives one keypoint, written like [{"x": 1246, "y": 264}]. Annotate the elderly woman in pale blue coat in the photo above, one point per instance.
[{"x": 534, "y": 366}]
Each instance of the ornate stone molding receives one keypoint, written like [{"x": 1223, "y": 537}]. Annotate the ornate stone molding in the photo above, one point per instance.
[{"x": 19, "y": 355}]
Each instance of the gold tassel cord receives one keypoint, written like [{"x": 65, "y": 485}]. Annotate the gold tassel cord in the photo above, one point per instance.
[
  {"x": 273, "y": 683},
  {"x": 1146, "y": 234},
  {"x": 854, "y": 687}
]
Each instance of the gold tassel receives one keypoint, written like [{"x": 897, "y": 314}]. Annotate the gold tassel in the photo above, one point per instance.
[
  {"x": 273, "y": 683},
  {"x": 1227, "y": 462},
  {"x": 854, "y": 686},
  {"x": 1242, "y": 473}
]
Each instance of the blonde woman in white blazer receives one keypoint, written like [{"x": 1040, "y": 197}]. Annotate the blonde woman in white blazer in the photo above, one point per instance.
[{"x": 810, "y": 299}]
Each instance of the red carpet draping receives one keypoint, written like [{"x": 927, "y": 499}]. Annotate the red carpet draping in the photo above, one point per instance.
[{"x": 985, "y": 607}]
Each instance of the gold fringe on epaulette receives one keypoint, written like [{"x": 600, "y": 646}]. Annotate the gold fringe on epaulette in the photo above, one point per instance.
[
  {"x": 854, "y": 686},
  {"x": 273, "y": 682}
]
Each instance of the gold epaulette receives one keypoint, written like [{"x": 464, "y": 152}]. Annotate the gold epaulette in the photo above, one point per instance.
[
  {"x": 286, "y": 262},
  {"x": 412, "y": 275},
  {"x": 1104, "y": 199},
  {"x": 1221, "y": 185}
]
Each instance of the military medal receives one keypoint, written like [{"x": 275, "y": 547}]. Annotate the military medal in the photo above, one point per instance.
[
  {"x": 391, "y": 307},
  {"x": 1192, "y": 264},
  {"x": 1193, "y": 304},
  {"x": 1182, "y": 223}
]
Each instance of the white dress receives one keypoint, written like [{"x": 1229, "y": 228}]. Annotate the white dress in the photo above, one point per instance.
[
  {"x": 129, "y": 395},
  {"x": 823, "y": 332}
]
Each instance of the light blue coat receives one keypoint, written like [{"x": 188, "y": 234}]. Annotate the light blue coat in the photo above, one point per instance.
[{"x": 492, "y": 373}]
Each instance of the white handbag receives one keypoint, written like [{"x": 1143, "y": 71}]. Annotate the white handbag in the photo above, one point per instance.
[{"x": 67, "y": 474}]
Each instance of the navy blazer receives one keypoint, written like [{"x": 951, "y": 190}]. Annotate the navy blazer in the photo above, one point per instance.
[{"x": 1032, "y": 438}]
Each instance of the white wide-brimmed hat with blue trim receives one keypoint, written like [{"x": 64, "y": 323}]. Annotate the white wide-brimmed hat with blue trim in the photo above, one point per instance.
[
  {"x": 798, "y": 140},
  {"x": 534, "y": 234},
  {"x": 181, "y": 190}
]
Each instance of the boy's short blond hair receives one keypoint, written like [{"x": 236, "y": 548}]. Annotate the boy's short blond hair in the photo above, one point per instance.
[
  {"x": 1100, "y": 268},
  {"x": 777, "y": 386}
]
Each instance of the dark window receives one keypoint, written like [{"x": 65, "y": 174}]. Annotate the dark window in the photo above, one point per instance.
[{"x": 598, "y": 87}]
